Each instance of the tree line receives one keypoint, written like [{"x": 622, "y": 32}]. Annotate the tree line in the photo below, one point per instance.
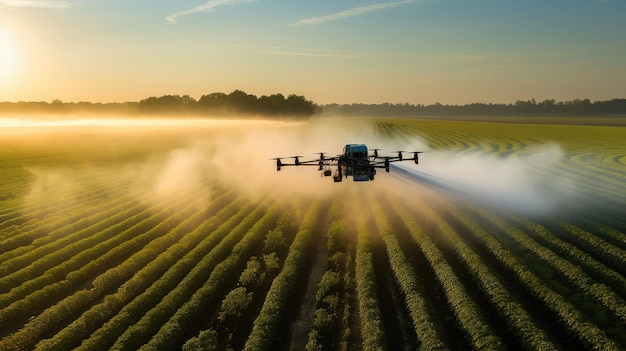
[
  {"x": 531, "y": 107},
  {"x": 295, "y": 106},
  {"x": 215, "y": 104}
]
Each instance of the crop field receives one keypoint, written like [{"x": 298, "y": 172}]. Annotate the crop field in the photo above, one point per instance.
[{"x": 157, "y": 236}]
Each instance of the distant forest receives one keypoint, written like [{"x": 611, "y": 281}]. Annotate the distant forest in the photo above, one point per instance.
[
  {"x": 615, "y": 107},
  {"x": 240, "y": 103},
  {"x": 235, "y": 103}
]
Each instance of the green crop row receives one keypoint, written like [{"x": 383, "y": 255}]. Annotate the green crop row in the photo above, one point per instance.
[
  {"x": 185, "y": 317},
  {"x": 570, "y": 318},
  {"x": 468, "y": 315},
  {"x": 267, "y": 323},
  {"x": 612, "y": 255},
  {"x": 39, "y": 259},
  {"x": 82, "y": 253},
  {"x": 515, "y": 316},
  {"x": 31, "y": 331},
  {"x": 158, "y": 303},
  {"x": 64, "y": 192},
  {"x": 423, "y": 323},
  {"x": 39, "y": 212},
  {"x": 602, "y": 168},
  {"x": 576, "y": 256},
  {"x": 573, "y": 273},
  {"x": 40, "y": 298},
  {"x": 52, "y": 232},
  {"x": 181, "y": 258},
  {"x": 610, "y": 234},
  {"x": 370, "y": 316},
  {"x": 253, "y": 281},
  {"x": 331, "y": 326},
  {"x": 119, "y": 310}
]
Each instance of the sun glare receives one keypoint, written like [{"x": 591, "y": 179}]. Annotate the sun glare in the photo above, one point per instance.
[
  {"x": 8, "y": 56},
  {"x": 14, "y": 125}
]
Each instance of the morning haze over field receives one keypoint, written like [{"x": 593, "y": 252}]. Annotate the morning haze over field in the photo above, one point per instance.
[{"x": 467, "y": 188}]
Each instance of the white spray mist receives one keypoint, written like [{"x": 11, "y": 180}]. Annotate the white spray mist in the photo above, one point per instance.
[{"x": 530, "y": 184}]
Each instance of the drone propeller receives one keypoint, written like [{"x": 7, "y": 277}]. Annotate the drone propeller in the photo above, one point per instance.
[
  {"x": 296, "y": 159},
  {"x": 416, "y": 157},
  {"x": 321, "y": 155},
  {"x": 279, "y": 164},
  {"x": 400, "y": 154},
  {"x": 321, "y": 162},
  {"x": 375, "y": 152}
]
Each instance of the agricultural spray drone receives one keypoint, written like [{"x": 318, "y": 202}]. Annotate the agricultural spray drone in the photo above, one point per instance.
[{"x": 355, "y": 161}]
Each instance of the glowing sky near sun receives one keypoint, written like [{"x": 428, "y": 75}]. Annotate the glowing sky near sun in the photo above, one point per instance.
[{"x": 448, "y": 51}]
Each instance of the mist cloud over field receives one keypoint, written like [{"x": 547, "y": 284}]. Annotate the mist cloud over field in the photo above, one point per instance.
[
  {"x": 530, "y": 184},
  {"x": 239, "y": 154}
]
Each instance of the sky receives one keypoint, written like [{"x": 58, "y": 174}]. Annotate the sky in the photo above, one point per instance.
[{"x": 349, "y": 51}]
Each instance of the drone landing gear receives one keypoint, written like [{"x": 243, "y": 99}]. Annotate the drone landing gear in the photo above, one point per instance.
[{"x": 337, "y": 178}]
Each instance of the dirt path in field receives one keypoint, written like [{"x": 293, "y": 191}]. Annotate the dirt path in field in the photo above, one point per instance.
[
  {"x": 314, "y": 267},
  {"x": 304, "y": 319}
]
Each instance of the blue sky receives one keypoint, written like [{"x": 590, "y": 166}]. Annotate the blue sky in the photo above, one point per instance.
[{"x": 448, "y": 51}]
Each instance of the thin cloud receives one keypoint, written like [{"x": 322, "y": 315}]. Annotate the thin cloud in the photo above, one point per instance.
[
  {"x": 313, "y": 54},
  {"x": 208, "y": 7},
  {"x": 44, "y": 4},
  {"x": 296, "y": 51},
  {"x": 357, "y": 11}
]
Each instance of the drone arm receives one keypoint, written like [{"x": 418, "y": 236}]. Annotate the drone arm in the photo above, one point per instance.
[{"x": 320, "y": 163}]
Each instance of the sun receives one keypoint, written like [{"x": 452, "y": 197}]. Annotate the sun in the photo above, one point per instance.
[{"x": 8, "y": 56}]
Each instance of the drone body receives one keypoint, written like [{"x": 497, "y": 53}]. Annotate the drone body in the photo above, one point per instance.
[{"x": 355, "y": 161}]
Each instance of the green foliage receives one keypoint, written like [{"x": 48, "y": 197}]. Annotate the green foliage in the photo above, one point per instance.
[
  {"x": 323, "y": 319},
  {"x": 338, "y": 261},
  {"x": 205, "y": 341},
  {"x": 185, "y": 316},
  {"x": 331, "y": 302},
  {"x": 271, "y": 261},
  {"x": 253, "y": 275},
  {"x": 267, "y": 323},
  {"x": 313, "y": 344},
  {"x": 275, "y": 241},
  {"x": 423, "y": 323},
  {"x": 371, "y": 321},
  {"x": 235, "y": 303},
  {"x": 335, "y": 235},
  {"x": 328, "y": 285},
  {"x": 586, "y": 332}
]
